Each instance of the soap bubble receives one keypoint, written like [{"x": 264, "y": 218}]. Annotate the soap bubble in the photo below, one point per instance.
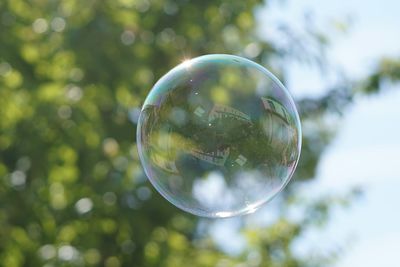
[{"x": 218, "y": 136}]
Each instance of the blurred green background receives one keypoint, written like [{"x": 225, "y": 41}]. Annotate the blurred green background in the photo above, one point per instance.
[{"x": 73, "y": 75}]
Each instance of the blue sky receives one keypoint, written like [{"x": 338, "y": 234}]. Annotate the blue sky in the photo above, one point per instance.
[{"x": 366, "y": 149}]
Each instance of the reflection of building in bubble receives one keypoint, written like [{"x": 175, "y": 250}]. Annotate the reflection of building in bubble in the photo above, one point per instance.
[
  {"x": 222, "y": 112},
  {"x": 215, "y": 157},
  {"x": 220, "y": 155},
  {"x": 199, "y": 111},
  {"x": 222, "y": 136},
  {"x": 276, "y": 108},
  {"x": 241, "y": 160},
  {"x": 278, "y": 128}
]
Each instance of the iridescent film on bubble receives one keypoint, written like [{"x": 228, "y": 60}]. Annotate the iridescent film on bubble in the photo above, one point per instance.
[{"x": 219, "y": 136}]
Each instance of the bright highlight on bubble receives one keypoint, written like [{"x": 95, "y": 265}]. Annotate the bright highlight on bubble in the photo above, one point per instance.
[{"x": 218, "y": 136}]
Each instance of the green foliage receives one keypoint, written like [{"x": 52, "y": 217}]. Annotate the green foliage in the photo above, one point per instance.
[
  {"x": 72, "y": 75},
  {"x": 388, "y": 70}
]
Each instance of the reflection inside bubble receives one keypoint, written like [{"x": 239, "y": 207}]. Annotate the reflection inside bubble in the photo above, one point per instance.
[{"x": 218, "y": 136}]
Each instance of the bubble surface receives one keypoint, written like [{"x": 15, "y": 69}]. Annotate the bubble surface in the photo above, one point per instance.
[{"x": 218, "y": 136}]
